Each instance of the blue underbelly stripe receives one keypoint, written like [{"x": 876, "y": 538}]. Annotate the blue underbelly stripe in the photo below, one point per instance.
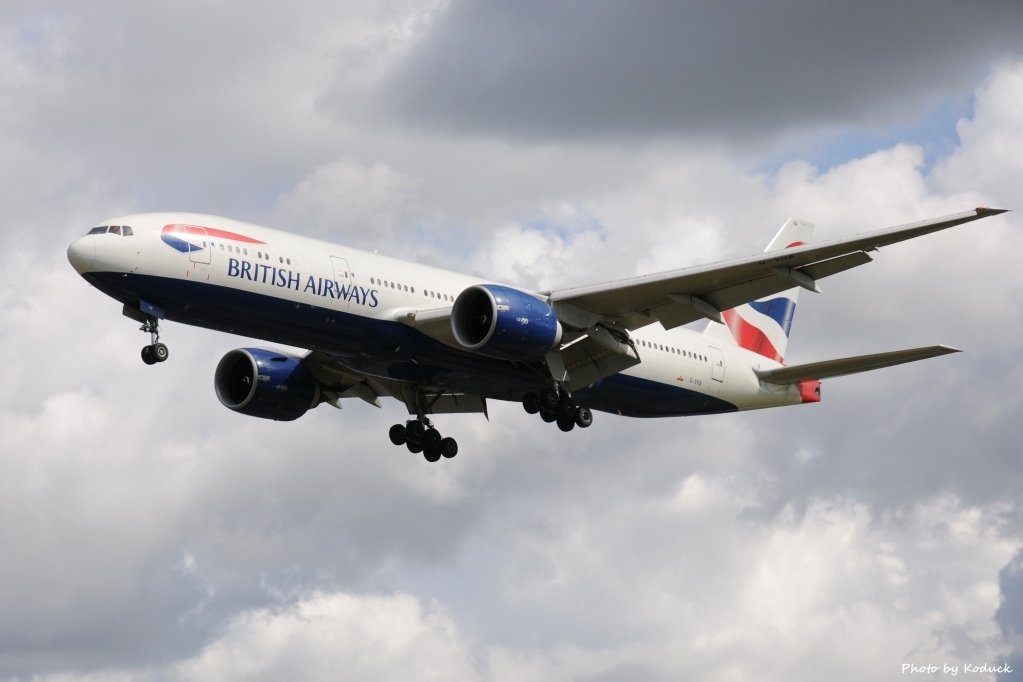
[{"x": 386, "y": 348}]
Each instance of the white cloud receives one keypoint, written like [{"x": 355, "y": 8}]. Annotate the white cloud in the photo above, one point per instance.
[
  {"x": 351, "y": 202},
  {"x": 989, "y": 154},
  {"x": 324, "y": 636},
  {"x": 151, "y": 534}
]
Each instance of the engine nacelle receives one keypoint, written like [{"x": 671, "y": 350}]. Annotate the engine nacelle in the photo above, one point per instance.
[
  {"x": 504, "y": 323},
  {"x": 265, "y": 384}
]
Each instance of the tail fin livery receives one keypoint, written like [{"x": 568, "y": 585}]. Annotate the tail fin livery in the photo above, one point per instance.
[{"x": 763, "y": 326}]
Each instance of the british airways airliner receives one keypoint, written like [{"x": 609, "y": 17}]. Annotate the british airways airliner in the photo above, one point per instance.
[{"x": 442, "y": 342}]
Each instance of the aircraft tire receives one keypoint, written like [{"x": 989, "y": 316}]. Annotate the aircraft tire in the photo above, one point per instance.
[
  {"x": 431, "y": 454},
  {"x": 583, "y": 417},
  {"x": 431, "y": 439},
  {"x": 448, "y": 448},
  {"x": 547, "y": 416},
  {"x": 160, "y": 351},
  {"x": 566, "y": 408},
  {"x": 415, "y": 430},
  {"x": 566, "y": 425},
  {"x": 531, "y": 403},
  {"x": 148, "y": 356},
  {"x": 549, "y": 398},
  {"x": 414, "y": 448},
  {"x": 397, "y": 434}
]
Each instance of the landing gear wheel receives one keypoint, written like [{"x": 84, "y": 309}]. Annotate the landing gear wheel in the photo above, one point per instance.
[
  {"x": 583, "y": 417},
  {"x": 431, "y": 454},
  {"x": 566, "y": 425},
  {"x": 414, "y": 448},
  {"x": 566, "y": 408},
  {"x": 160, "y": 351},
  {"x": 549, "y": 398},
  {"x": 547, "y": 416},
  {"x": 148, "y": 356},
  {"x": 397, "y": 434},
  {"x": 531, "y": 403},
  {"x": 431, "y": 440},
  {"x": 415, "y": 430},
  {"x": 448, "y": 448}
]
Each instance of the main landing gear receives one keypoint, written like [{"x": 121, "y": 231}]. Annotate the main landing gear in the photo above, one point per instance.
[
  {"x": 555, "y": 404},
  {"x": 419, "y": 435},
  {"x": 155, "y": 352}
]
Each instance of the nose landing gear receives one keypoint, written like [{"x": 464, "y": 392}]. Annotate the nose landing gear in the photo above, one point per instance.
[
  {"x": 155, "y": 352},
  {"x": 149, "y": 315}
]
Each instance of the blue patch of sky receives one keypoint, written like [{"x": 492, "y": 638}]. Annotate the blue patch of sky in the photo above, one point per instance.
[
  {"x": 566, "y": 233},
  {"x": 934, "y": 132}
]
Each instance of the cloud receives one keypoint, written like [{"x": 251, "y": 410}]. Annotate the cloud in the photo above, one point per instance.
[
  {"x": 836, "y": 588},
  {"x": 1010, "y": 612},
  {"x": 320, "y": 637},
  {"x": 729, "y": 70},
  {"x": 152, "y": 534},
  {"x": 352, "y": 202}
]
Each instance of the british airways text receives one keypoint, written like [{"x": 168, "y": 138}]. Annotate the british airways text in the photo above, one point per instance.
[{"x": 289, "y": 279}]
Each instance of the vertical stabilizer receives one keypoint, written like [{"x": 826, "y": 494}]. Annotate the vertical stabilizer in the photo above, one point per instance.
[{"x": 763, "y": 326}]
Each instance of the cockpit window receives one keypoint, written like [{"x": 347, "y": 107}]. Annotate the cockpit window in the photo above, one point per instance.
[{"x": 122, "y": 230}]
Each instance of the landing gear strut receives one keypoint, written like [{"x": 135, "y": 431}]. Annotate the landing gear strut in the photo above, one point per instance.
[
  {"x": 555, "y": 404},
  {"x": 418, "y": 435},
  {"x": 155, "y": 352}
]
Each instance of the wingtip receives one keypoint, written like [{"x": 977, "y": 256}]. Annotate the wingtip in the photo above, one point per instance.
[{"x": 985, "y": 211}]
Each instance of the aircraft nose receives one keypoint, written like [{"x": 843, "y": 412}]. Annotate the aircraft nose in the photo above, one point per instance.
[{"x": 82, "y": 254}]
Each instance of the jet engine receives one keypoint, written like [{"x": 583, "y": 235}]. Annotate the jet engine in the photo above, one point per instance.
[
  {"x": 265, "y": 384},
  {"x": 505, "y": 323}
]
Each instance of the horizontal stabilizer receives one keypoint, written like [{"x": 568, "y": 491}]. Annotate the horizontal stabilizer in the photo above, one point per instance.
[{"x": 853, "y": 365}]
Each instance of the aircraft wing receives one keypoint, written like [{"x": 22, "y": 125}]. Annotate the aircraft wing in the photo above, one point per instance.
[
  {"x": 853, "y": 365},
  {"x": 677, "y": 297}
]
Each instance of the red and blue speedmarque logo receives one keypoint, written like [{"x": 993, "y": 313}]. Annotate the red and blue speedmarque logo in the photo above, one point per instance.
[{"x": 191, "y": 238}]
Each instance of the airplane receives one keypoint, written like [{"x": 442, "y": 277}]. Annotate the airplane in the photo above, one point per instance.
[{"x": 442, "y": 342}]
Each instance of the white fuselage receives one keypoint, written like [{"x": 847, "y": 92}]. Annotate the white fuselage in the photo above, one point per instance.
[{"x": 287, "y": 288}]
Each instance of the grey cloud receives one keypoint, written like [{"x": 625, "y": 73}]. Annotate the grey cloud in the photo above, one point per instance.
[
  {"x": 1010, "y": 613},
  {"x": 730, "y": 70},
  {"x": 1010, "y": 582},
  {"x": 142, "y": 521}
]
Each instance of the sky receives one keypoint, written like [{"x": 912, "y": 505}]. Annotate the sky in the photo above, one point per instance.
[{"x": 148, "y": 533}]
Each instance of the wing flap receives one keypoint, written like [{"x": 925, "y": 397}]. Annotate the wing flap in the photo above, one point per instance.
[
  {"x": 339, "y": 382},
  {"x": 851, "y": 365}
]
